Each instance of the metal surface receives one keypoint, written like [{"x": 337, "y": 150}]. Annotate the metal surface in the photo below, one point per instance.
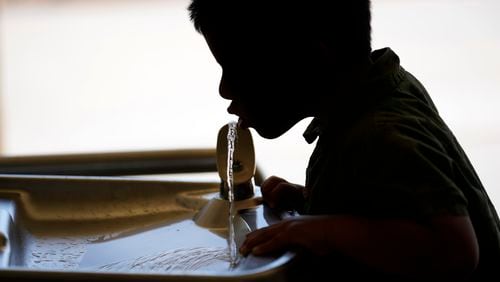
[
  {"x": 116, "y": 164},
  {"x": 109, "y": 164},
  {"x": 122, "y": 229}
]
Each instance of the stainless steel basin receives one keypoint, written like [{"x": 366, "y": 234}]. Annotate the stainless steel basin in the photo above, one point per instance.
[{"x": 124, "y": 229}]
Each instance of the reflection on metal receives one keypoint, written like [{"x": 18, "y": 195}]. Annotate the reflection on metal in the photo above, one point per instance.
[{"x": 214, "y": 213}]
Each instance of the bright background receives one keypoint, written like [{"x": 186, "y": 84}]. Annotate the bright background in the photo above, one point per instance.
[{"x": 122, "y": 75}]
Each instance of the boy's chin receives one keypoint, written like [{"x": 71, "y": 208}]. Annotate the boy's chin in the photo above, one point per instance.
[{"x": 269, "y": 133}]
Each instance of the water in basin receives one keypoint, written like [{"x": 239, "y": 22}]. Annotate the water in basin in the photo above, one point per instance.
[{"x": 178, "y": 244}]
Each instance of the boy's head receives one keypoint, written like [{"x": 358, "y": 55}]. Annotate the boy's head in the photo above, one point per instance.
[{"x": 280, "y": 58}]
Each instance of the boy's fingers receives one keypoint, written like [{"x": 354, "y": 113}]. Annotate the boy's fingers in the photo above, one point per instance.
[
  {"x": 276, "y": 243},
  {"x": 269, "y": 184},
  {"x": 277, "y": 195},
  {"x": 258, "y": 237}
]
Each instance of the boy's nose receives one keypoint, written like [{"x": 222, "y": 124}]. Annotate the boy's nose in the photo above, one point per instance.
[{"x": 224, "y": 90}]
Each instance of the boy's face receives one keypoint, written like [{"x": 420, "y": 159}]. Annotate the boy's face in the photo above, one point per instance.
[{"x": 270, "y": 80}]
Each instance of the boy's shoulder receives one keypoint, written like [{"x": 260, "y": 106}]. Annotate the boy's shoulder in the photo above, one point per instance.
[{"x": 404, "y": 114}]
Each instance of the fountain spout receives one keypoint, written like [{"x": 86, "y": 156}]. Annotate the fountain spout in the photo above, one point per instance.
[
  {"x": 214, "y": 213},
  {"x": 243, "y": 163}
]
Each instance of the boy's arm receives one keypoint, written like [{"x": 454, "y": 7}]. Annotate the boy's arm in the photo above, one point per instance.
[{"x": 446, "y": 248}]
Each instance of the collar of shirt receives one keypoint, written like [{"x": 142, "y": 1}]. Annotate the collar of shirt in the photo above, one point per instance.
[{"x": 384, "y": 75}]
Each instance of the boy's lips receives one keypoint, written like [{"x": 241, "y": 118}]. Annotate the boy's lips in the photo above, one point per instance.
[
  {"x": 242, "y": 123},
  {"x": 233, "y": 109}
]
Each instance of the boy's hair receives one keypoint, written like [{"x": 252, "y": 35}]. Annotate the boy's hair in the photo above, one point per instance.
[{"x": 344, "y": 25}]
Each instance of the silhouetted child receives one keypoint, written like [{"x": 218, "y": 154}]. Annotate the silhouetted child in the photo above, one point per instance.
[{"x": 389, "y": 191}]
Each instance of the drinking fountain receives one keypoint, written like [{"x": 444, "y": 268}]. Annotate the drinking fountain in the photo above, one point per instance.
[
  {"x": 125, "y": 228},
  {"x": 214, "y": 213}
]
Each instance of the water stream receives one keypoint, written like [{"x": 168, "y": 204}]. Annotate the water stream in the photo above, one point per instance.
[{"x": 231, "y": 142}]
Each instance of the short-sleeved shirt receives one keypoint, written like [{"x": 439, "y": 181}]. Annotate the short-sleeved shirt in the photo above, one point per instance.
[{"x": 389, "y": 154}]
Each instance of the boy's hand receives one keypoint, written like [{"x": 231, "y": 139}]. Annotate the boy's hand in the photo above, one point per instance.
[
  {"x": 304, "y": 232},
  {"x": 281, "y": 194}
]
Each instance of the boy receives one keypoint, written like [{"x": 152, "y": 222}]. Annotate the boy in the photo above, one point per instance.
[{"x": 389, "y": 192}]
